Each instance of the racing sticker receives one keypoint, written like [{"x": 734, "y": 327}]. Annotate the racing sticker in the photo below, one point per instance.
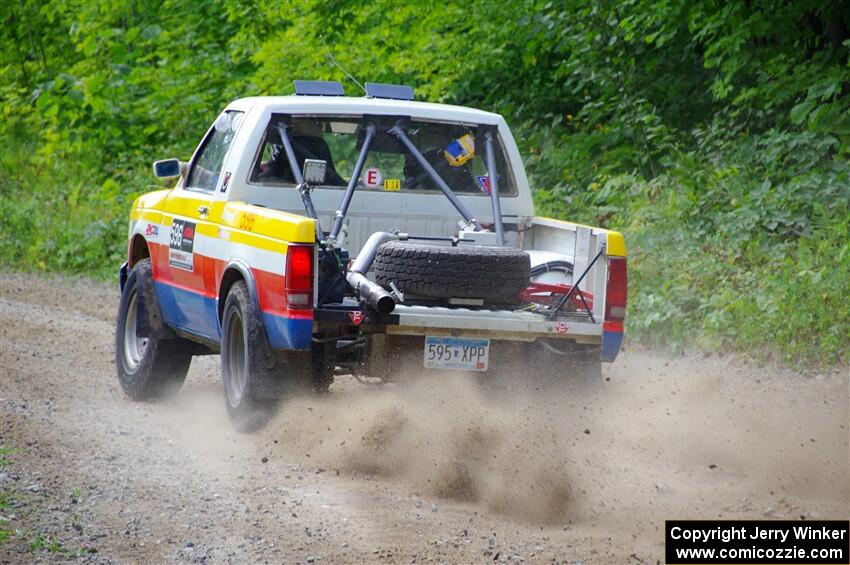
[
  {"x": 484, "y": 182},
  {"x": 392, "y": 185},
  {"x": 225, "y": 182},
  {"x": 180, "y": 248},
  {"x": 246, "y": 221},
  {"x": 373, "y": 178}
]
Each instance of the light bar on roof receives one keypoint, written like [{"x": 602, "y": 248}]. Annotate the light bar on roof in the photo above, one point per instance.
[
  {"x": 390, "y": 91},
  {"x": 318, "y": 88}
]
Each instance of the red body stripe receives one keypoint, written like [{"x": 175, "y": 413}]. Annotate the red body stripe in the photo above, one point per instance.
[{"x": 270, "y": 286}]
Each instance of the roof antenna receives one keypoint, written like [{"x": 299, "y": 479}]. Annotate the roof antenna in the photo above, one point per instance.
[{"x": 333, "y": 62}]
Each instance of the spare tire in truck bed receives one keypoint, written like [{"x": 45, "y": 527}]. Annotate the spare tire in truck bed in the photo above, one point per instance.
[{"x": 496, "y": 275}]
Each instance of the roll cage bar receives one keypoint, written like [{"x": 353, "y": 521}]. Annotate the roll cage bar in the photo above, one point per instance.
[{"x": 398, "y": 130}]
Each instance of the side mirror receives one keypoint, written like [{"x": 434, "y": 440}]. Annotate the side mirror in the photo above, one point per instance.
[
  {"x": 315, "y": 171},
  {"x": 168, "y": 168}
]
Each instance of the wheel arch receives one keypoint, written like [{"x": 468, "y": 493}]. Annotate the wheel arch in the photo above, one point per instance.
[
  {"x": 137, "y": 250},
  {"x": 235, "y": 271}
]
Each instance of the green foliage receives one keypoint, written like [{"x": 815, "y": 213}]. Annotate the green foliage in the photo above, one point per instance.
[
  {"x": 6, "y": 499},
  {"x": 42, "y": 542},
  {"x": 762, "y": 262},
  {"x": 716, "y": 135}
]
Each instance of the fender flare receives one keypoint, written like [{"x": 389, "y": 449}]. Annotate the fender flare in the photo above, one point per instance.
[
  {"x": 246, "y": 275},
  {"x": 150, "y": 319}
]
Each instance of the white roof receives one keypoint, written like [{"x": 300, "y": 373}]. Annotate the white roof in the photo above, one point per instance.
[{"x": 347, "y": 105}]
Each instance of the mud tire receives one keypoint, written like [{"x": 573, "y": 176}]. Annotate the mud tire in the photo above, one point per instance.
[
  {"x": 246, "y": 361},
  {"x": 148, "y": 368},
  {"x": 495, "y": 274},
  {"x": 255, "y": 376}
]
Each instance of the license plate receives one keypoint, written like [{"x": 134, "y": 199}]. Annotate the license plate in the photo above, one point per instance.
[{"x": 456, "y": 353}]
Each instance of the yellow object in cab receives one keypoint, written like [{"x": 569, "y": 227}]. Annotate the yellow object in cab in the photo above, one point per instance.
[{"x": 460, "y": 150}]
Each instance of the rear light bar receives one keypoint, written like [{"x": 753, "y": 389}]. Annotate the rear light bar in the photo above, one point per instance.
[
  {"x": 299, "y": 276},
  {"x": 616, "y": 294}
]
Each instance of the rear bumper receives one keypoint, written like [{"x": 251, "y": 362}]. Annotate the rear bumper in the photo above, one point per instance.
[
  {"x": 504, "y": 325},
  {"x": 463, "y": 322},
  {"x": 498, "y": 324}
]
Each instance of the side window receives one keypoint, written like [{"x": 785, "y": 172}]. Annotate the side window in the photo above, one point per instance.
[{"x": 208, "y": 163}]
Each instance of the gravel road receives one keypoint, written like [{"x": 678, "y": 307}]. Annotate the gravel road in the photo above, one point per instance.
[{"x": 433, "y": 471}]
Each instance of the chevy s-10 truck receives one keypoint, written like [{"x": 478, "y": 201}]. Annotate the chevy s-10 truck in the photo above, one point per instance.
[{"x": 317, "y": 234}]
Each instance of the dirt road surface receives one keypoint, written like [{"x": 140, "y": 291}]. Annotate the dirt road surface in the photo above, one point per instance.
[{"x": 433, "y": 471}]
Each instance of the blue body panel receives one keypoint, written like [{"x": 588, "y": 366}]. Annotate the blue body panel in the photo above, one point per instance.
[
  {"x": 197, "y": 314},
  {"x": 611, "y": 342},
  {"x": 288, "y": 333},
  {"x": 188, "y": 311}
]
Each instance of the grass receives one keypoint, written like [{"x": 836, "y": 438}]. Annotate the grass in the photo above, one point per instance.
[
  {"x": 52, "y": 545},
  {"x": 6, "y": 499}
]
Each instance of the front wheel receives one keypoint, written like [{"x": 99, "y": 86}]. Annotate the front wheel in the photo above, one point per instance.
[{"x": 148, "y": 368}]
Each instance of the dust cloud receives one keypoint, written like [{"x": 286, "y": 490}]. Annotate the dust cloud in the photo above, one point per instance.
[
  {"x": 682, "y": 438},
  {"x": 446, "y": 436},
  {"x": 673, "y": 438}
]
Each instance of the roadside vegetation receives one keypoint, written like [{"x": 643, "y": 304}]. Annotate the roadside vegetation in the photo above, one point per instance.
[
  {"x": 6, "y": 498},
  {"x": 715, "y": 135}
]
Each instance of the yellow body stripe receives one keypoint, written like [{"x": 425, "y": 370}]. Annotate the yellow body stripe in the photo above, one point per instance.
[
  {"x": 261, "y": 221},
  {"x": 263, "y": 228}
]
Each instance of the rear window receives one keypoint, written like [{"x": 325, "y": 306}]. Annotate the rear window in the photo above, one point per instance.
[{"x": 456, "y": 151}]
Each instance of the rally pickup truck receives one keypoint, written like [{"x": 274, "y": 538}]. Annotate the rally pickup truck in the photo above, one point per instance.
[{"x": 317, "y": 234}]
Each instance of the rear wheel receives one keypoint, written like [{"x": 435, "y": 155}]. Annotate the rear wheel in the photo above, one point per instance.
[
  {"x": 242, "y": 360},
  {"x": 255, "y": 377},
  {"x": 148, "y": 368}
]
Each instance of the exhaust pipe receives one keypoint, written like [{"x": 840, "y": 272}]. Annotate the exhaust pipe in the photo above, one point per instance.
[{"x": 375, "y": 296}]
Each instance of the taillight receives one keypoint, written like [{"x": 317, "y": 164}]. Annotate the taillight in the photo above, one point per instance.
[
  {"x": 616, "y": 294},
  {"x": 299, "y": 276}
]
